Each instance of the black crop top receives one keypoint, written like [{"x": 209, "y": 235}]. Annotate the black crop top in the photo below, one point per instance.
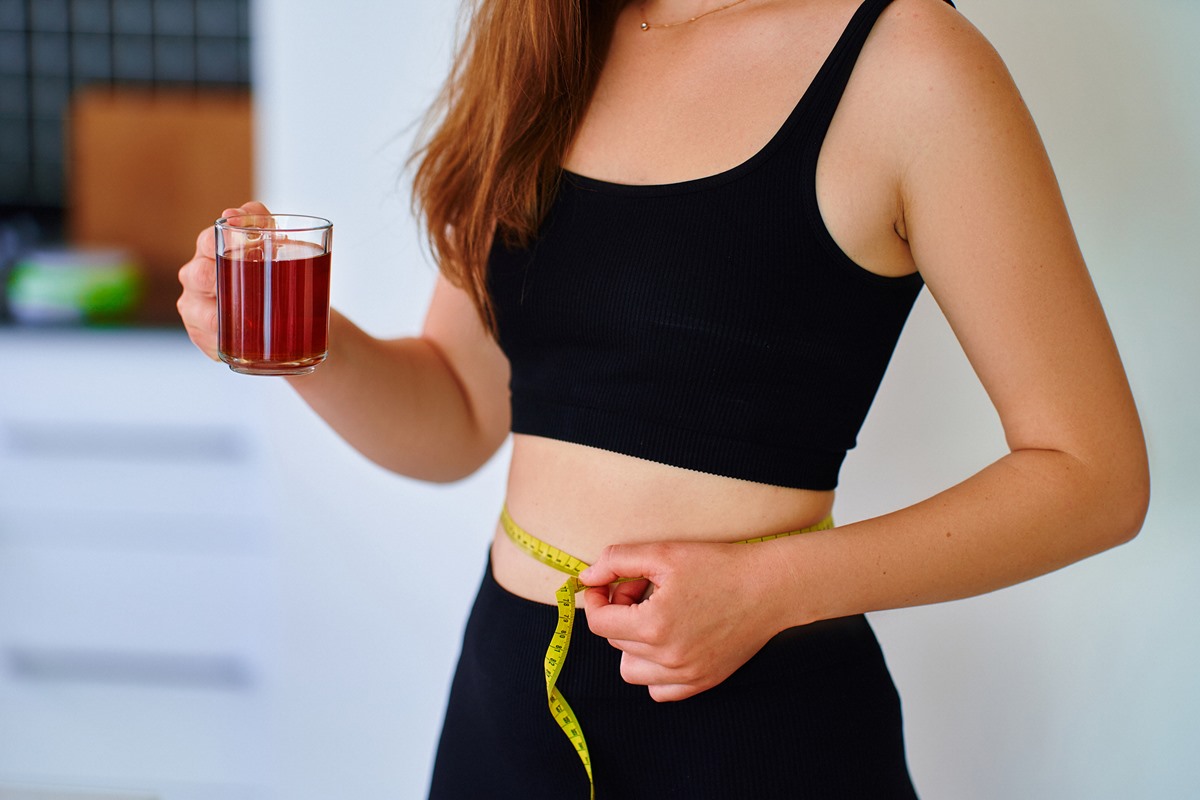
[{"x": 712, "y": 324}]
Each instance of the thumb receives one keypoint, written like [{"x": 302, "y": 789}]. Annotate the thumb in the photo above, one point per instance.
[
  {"x": 253, "y": 207},
  {"x": 622, "y": 561}
]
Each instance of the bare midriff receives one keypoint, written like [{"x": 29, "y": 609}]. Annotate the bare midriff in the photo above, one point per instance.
[{"x": 581, "y": 499}]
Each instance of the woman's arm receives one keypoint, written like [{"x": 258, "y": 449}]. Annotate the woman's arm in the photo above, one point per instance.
[
  {"x": 433, "y": 407},
  {"x": 987, "y": 227}
]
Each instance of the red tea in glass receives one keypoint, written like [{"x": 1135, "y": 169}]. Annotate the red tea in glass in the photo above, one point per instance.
[{"x": 273, "y": 293}]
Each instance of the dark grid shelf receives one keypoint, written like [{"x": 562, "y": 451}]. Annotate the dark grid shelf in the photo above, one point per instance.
[{"x": 51, "y": 48}]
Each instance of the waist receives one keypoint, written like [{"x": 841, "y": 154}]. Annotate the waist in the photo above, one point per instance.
[{"x": 585, "y": 499}]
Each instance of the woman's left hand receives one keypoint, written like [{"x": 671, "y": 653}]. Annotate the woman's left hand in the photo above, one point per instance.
[{"x": 710, "y": 609}]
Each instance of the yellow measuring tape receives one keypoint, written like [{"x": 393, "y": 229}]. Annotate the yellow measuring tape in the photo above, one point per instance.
[{"x": 556, "y": 653}]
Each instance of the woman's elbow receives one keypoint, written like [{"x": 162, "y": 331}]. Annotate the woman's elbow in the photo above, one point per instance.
[
  {"x": 1128, "y": 493},
  {"x": 465, "y": 460},
  {"x": 1138, "y": 505}
]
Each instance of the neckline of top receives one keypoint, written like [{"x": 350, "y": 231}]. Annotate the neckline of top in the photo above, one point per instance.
[{"x": 819, "y": 82}]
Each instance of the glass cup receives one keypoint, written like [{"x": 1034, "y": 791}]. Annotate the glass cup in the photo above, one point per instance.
[{"x": 273, "y": 292}]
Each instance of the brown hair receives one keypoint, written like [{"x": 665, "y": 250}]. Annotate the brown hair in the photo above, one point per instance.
[{"x": 518, "y": 88}]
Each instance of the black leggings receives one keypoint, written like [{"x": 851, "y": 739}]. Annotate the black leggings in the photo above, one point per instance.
[{"x": 813, "y": 715}]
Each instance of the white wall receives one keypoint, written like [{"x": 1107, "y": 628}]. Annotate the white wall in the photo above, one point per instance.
[
  {"x": 1079, "y": 685},
  {"x": 377, "y": 572}
]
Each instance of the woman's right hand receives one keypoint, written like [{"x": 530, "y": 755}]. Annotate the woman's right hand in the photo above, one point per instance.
[{"x": 197, "y": 303}]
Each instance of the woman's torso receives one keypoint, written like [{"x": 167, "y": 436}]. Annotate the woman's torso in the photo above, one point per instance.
[{"x": 673, "y": 105}]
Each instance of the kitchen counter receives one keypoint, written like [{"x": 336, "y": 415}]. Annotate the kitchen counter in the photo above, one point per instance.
[{"x": 136, "y": 566}]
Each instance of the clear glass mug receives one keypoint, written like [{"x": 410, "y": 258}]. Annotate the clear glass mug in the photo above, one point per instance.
[{"x": 273, "y": 292}]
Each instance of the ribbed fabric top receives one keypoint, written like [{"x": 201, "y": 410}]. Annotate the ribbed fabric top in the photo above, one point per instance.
[{"x": 712, "y": 324}]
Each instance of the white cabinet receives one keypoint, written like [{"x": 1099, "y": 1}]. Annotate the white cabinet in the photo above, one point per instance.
[{"x": 136, "y": 568}]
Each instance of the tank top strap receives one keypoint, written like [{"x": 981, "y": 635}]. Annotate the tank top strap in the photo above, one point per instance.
[
  {"x": 828, "y": 86},
  {"x": 830, "y": 82}
]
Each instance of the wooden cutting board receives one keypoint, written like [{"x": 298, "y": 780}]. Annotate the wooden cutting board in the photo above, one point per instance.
[{"x": 148, "y": 169}]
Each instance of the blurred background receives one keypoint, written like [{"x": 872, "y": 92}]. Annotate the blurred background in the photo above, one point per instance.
[{"x": 205, "y": 595}]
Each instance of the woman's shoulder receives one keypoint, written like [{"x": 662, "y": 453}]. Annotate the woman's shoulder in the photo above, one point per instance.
[
  {"x": 929, "y": 47},
  {"x": 927, "y": 73},
  {"x": 915, "y": 48}
]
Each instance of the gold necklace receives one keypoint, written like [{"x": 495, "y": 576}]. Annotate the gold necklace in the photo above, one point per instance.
[{"x": 648, "y": 25}]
